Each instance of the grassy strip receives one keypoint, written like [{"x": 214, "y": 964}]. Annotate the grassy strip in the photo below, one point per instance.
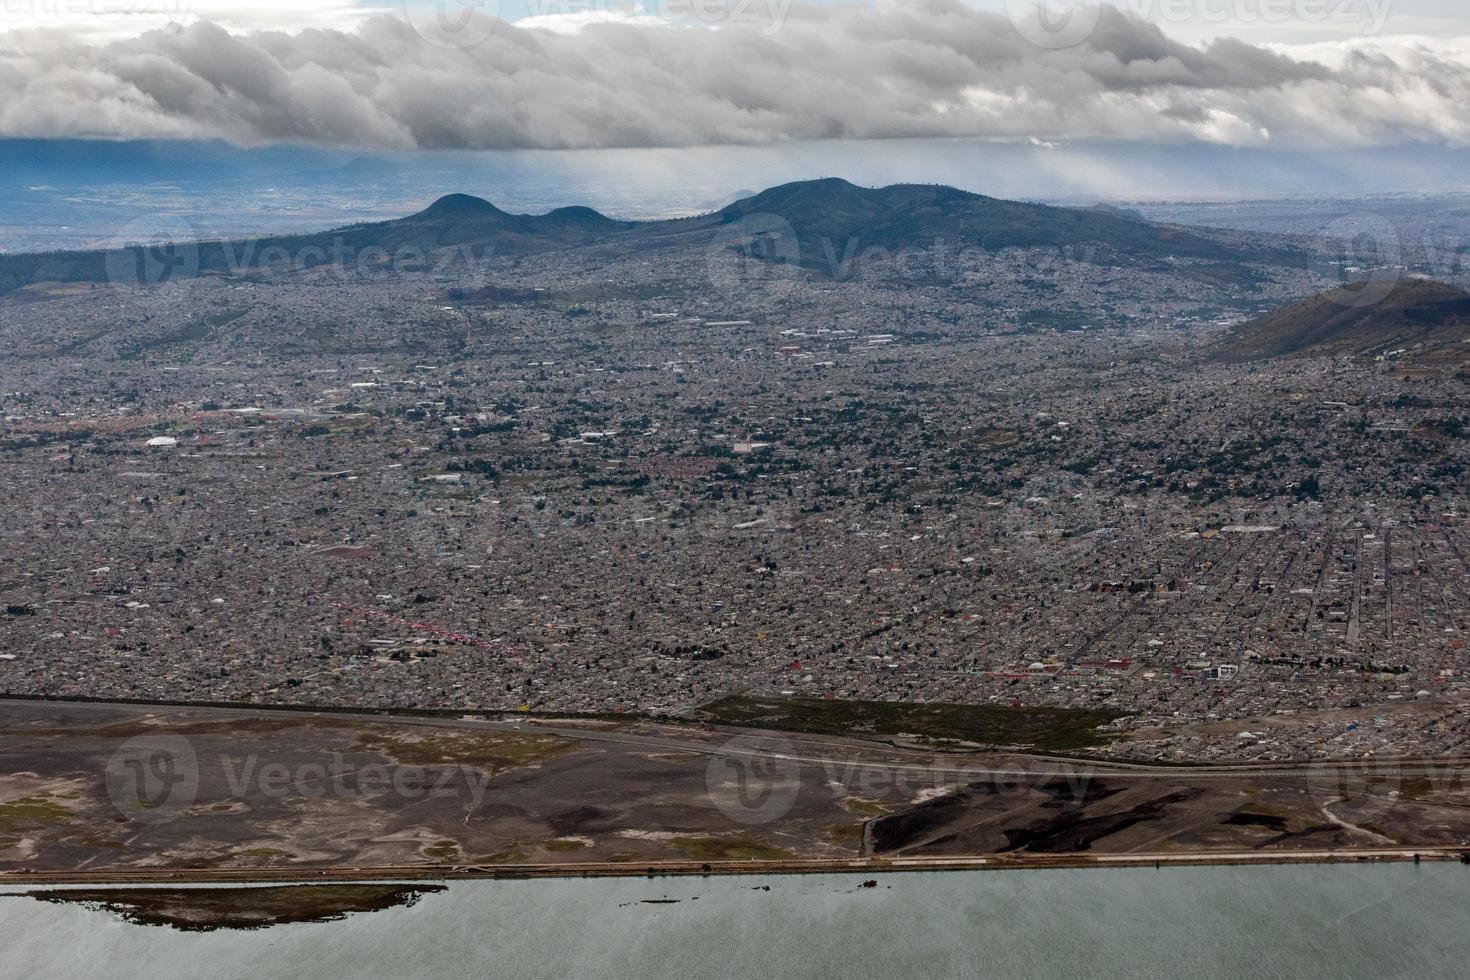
[{"x": 1046, "y": 729}]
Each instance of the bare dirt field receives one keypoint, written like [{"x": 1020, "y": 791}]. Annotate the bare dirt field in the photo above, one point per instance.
[{"x": 89, "y": 788}]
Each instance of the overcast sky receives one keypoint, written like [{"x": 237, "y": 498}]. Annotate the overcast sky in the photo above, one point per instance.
[
  {"x": 557, "y": 74},
  {"x": 1259, "y": 21}
]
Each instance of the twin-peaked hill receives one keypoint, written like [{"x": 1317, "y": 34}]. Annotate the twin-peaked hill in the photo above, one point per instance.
[
  {"x": 457, "y": 221},
  {"x": 826, "y": 219}
]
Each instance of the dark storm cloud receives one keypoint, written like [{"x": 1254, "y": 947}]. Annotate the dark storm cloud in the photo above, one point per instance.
[{"x": 933, "y": 68}]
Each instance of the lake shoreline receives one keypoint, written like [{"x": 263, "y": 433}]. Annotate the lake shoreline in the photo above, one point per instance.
[{"x": 670, "y": 869}]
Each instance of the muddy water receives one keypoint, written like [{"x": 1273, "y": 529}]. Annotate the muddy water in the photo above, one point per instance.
[{"x": 1382, "y": 921}]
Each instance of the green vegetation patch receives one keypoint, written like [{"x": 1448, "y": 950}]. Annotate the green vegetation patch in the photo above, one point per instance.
[
  {"x": 864, "y": 808},
  {"x": 490, "y": 752},
  {"x": 31, "y": 813},
  {"x": 739, "y": 848},
  {"x": 444, "y": 851},
  {"x": 205, "y": 909},
  {"x": 849, "y": 835},
  {"x": 513, "y": 855},
  {"x": 1046, "y": 729}
]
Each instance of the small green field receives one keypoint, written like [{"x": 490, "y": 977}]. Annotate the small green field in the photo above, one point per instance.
[
  {"x": 1045, "y": 729},
  {"x": 207, "y": 909},
  {"x": 742, "y": 847}
]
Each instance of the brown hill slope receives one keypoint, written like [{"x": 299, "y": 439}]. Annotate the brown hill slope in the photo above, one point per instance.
[{"x": 1357, "y": 319}]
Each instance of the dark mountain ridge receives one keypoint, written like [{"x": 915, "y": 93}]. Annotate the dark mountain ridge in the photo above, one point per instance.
[
  {"x": 824, "y": 220},
  {"x": 454, "y": 221}
]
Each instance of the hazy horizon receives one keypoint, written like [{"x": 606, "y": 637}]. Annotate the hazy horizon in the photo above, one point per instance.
[{"x": 72, "y": 194}]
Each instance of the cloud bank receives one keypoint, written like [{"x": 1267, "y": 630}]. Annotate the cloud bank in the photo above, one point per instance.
[{"x": 932, "y": 68}]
